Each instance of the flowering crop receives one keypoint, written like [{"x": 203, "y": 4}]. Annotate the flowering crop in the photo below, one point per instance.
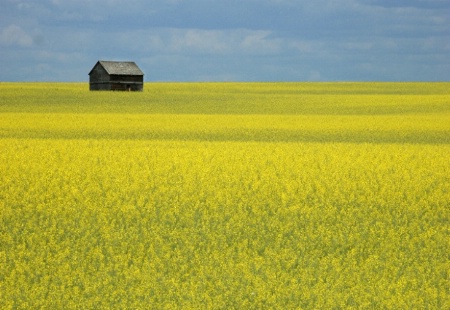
[{"x": 225, "y": 196}]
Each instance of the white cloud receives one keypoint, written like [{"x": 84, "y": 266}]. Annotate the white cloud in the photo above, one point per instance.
[
  {"x": 199, "y": 41},
  {"x": 229, "y": 41},
  {"x": 258, "y": 42},
  {"x": 14, "y": 35},
  {"x": 304, "y": 46}
]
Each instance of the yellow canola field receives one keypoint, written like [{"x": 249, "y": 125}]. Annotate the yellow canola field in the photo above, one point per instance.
[
  {"x": 153, "y": 200},
  {"x": 424, "y": 129}
]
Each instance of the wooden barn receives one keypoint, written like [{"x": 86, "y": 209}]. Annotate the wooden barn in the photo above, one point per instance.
[{"x": 116, "y": 75}]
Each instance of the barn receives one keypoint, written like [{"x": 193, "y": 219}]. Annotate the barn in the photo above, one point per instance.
[{"x": 116, "y": 75}]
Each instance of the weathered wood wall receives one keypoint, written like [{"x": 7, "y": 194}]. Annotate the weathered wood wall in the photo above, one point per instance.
[{"x": 99, "y": 79}]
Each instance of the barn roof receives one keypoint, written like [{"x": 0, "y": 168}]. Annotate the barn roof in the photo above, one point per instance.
[{"x": 120, "y": 67}]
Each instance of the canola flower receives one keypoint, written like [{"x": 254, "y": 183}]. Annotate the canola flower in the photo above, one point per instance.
[{"x": 136, "y": 206}]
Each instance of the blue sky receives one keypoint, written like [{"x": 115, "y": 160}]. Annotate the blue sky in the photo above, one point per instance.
[{"x": 228, "y": 40}]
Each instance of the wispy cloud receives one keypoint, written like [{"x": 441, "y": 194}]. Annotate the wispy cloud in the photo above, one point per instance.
[{"x": 14, "y": 35}]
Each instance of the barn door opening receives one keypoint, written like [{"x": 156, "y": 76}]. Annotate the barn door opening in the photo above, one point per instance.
[{"x": 128, "y": 87}]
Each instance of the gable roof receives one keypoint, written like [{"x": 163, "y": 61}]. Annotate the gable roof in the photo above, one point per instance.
[{"x": 120, "y": 67}]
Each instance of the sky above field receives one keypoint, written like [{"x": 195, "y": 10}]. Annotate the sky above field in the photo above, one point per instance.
[{"x": 228, "y": 40}]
